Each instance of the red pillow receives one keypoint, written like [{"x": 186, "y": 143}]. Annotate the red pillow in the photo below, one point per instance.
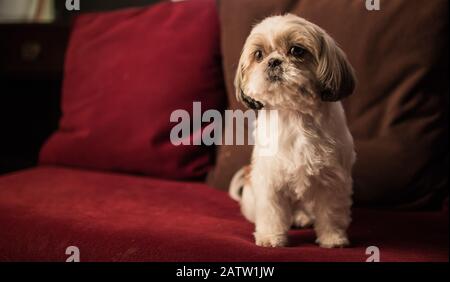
[{"x": 125, "y": 73}]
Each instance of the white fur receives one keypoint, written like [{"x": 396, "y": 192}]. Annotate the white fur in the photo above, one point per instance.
[{"x": 308, "y": 181}]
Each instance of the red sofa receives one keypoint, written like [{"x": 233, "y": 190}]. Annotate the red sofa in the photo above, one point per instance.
[
  {"x": 114, "y": 217},
  {"x": 111, "y": 184}
]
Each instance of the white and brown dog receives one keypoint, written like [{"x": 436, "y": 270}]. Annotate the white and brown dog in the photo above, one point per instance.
[{"x": 293, "y": 66}]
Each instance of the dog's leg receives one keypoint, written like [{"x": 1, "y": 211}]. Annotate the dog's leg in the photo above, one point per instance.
[
  {"x": 332, "y": 215},
  {"x": 273, "y": 217}
]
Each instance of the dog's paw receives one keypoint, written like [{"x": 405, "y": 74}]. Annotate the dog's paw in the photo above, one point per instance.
[
  {"x": 270, "y": 240},
  {"x": 333, "y": 241},
  {"x": 302, "y": 220}
]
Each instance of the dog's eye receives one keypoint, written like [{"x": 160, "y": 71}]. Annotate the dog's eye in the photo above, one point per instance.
[
  {"x": 258, "y": 55},
  {"x": 297, "y": 51}
]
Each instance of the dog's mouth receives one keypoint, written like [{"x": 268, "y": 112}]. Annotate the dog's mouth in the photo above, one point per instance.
[
  {"x": 250, "y": 102},
  {"x": 274, "y": 74}
]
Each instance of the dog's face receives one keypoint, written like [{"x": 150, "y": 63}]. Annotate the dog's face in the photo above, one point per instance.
[{"x": 290, "y": 63}]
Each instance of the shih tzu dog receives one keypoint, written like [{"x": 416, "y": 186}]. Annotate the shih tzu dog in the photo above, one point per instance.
[{"x": 294, "y": 67}]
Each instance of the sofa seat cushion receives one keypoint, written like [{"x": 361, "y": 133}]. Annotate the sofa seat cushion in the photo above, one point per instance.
[{"x": 114, "y": 217}]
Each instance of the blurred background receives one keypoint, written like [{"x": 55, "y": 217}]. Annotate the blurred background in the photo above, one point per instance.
[
  {"x": 46, "y": 11},
  {"x": 34, "y": 38},
  {"x": 27, "y": 10}
]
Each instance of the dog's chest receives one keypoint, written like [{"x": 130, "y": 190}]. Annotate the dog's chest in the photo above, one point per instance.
[{"x": 295, "y": 150}]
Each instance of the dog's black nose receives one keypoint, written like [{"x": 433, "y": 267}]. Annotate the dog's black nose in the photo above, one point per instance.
[{"x": 274, "y": 62}]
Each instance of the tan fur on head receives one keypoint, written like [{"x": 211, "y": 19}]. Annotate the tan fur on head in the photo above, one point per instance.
[
  {"x": 322, "y": 69},
  {"x": 294, "y": 67}
]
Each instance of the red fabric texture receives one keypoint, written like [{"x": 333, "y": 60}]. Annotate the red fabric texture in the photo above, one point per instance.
[
  {"x": 113, "y": 217},
  {"x": 125, "y": 73}
]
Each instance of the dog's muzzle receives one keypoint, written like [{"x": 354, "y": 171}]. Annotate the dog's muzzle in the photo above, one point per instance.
[{"x": 250, "y": 102}]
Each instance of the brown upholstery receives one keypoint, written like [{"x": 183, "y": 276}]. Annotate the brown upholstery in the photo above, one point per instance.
[{"x": 398, "y": 113}]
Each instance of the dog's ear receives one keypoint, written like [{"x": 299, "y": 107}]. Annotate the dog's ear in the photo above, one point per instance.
[{"x": 334, "y": 72}]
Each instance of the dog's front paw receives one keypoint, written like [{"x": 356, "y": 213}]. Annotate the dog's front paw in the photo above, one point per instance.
[
  {"x": 264, "y": 240},
  {"x": 333, "y": 240}
]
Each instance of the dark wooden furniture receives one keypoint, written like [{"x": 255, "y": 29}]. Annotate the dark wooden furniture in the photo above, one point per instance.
[{"x": 31, "y": 70}]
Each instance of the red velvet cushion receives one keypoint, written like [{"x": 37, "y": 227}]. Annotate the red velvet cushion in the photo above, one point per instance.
[
  {"x": 125, "y": 72},
  {"x": 128, "y": 218}
]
